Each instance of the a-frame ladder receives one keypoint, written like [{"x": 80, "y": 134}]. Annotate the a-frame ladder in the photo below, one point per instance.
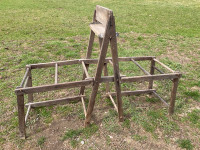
[{"x": 104, "y": 27}]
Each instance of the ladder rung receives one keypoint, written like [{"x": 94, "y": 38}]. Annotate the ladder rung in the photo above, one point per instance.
[{"x": 98, "y": 29}]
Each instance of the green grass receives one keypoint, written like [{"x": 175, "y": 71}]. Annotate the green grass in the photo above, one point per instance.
[
  {"x": 41, "y": 141},
  {"x": 185, "y": 144},
  {"x": 45, "y": 31}
]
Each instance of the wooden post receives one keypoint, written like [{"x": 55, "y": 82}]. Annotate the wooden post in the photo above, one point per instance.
[
  {"x": 89, "y": 53},
  {"x": 97, "y": 79},
  {"x": 151, "y": 72},
  {"x": 173, "y": 95},
  {"x": 21, "y": 115},
  {"x": 106, "y": 74},
  {"x": 29, "y": 84},
  {"x": 113, "y": 43}
]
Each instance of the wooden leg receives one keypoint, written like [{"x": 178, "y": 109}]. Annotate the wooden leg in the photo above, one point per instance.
[
  {"x": 29, "y": 84},
  {"x": 113, "y": 43},
  {"x": 106, "y": 74},
  {"x": 21, "y": 115},
  {"x": 173, "y": 96},
  {"x": 88, "y": 55},
  {"x": 97, "y": 79},
  {"x": 151, "y": 72}
]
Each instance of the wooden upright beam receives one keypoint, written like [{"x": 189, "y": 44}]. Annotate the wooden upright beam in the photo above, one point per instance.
[
  {"x": 56, "y": 73},
  {"x": 21, "y": 115},
  {"x": 173, "y": 96}
]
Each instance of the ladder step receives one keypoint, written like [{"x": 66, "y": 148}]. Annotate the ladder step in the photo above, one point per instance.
[
  {"x": 128, "y": 93},
  {"x": 98, "y": 29},
  {"x": 55, "y": 102}
]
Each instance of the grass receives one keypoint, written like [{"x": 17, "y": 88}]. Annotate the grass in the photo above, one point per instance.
[{"x": 45, "y": 31}]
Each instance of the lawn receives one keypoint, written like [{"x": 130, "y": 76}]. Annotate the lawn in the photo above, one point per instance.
[{"x": 51, "y": 30}]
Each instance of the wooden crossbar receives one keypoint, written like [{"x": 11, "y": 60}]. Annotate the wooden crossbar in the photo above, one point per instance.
[
  {"x": 129, "y": 93},
  {"x": 113, "y": 102},
  {"x": 149, "y": 78},
  {"x": 85, "y": 70},
  {"x": 55, "y": 102},
  {"x": 52, "y": 87},
  {"x": 84, "y": 109},
  {"x": 25, "y": 77},
  {"x": 164, "y": 65},
  {"x": 86, "y": 61},
  {"x": 147, "y": 73}
]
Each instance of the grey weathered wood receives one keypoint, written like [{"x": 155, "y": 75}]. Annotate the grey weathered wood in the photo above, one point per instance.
[
  {"x": 55, "y": 102},
  {"x": 25, "y": 77},
  {"x": 21, "y": 115},
  {"x": 159, "y": 70},
  {"x": 164, "y": 65},
  {"x": 97, "y": 79},
  {"x": 88, "y": 55},
  {"x": 140, "y": 67},
  {"x": 114, "y": 52},
  {"x": 149, "y": 78},
  {"x": 112, "y": 100},
  {"x": 156, "y": 94},
  {"x": 29, "y": 84},
  {"x": 85, "y": 69},
  {"x": 87, "y": 60},
  {"x": 84, "y": 109},
  {"x": 52, "y": 87},
  {"x": 98, "y": 29},
  {"x": 151, "y": 72},
  {"x": 173, "y": 96},
  {"x": 103, "y": 14},
  {"x": 106, "y": 74},
  {"x": 56, "y": 73},
  {"x": 129, "y": 93},
  {"x": 27, "y": 113}
]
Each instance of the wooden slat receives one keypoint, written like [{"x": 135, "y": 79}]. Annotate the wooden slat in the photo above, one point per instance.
[
  {"x": 98, "y": 29},
  {"x": 54, "y": 102},
  {"x": 129, "y": 93},
  {"x": 163, "y": 65},
  {"x": 86, "y": 61},
  {"x": 25, "y": 77},
  {"x": 85, "y": 70},
  {"x": 21, "y": 115},
  {"x": 173, "y": 96},
  {"x": 52, "y": 87},
  {"x": 152, "y": 77},
  {"x": 27, "y": 113},
  {"x": 112, "y": 100},
  {"x": 156, "y": 94},
  {"x": 159, "y": 70},
  {"x": 84, "y": 109},
  {"x": 29, "y": 84},
  {"x": 151, "y": 73},
  {"x": 56, "y": 73},
  {"x": 103, "y": 14},
  {"x": 147, "y": 73}
]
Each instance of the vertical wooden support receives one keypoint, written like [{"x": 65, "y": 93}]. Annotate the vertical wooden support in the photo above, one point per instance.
[
  {"x": 114, "y": 52},
  {"x": 106, "y": 74},
  {"x": 29, "y": 84},
  {"x": 173, "y": 95},
  {"x": 100, "y": 65},
  {"x": 56, "y": 73},
  {"x": 151, "y": 72},
  {"x": 88, "y": 55},
  {"x": 21, "y": 115}
]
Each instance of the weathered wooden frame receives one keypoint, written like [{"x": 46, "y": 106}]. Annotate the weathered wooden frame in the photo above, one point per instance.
[{"x": 104, "y": 27}]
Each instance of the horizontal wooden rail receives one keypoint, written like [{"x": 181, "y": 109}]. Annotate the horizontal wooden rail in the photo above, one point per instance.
[
  {"x": 54, "y": 102},
  {"x": 129, "y": 93},
  {"x": 152, "y": 77},
  {"x": 52, "y": 87},
  {"x": 86, "y": 61},
  {"x": 147, "y": 73},
  {"x": 166, "y": 67}
]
